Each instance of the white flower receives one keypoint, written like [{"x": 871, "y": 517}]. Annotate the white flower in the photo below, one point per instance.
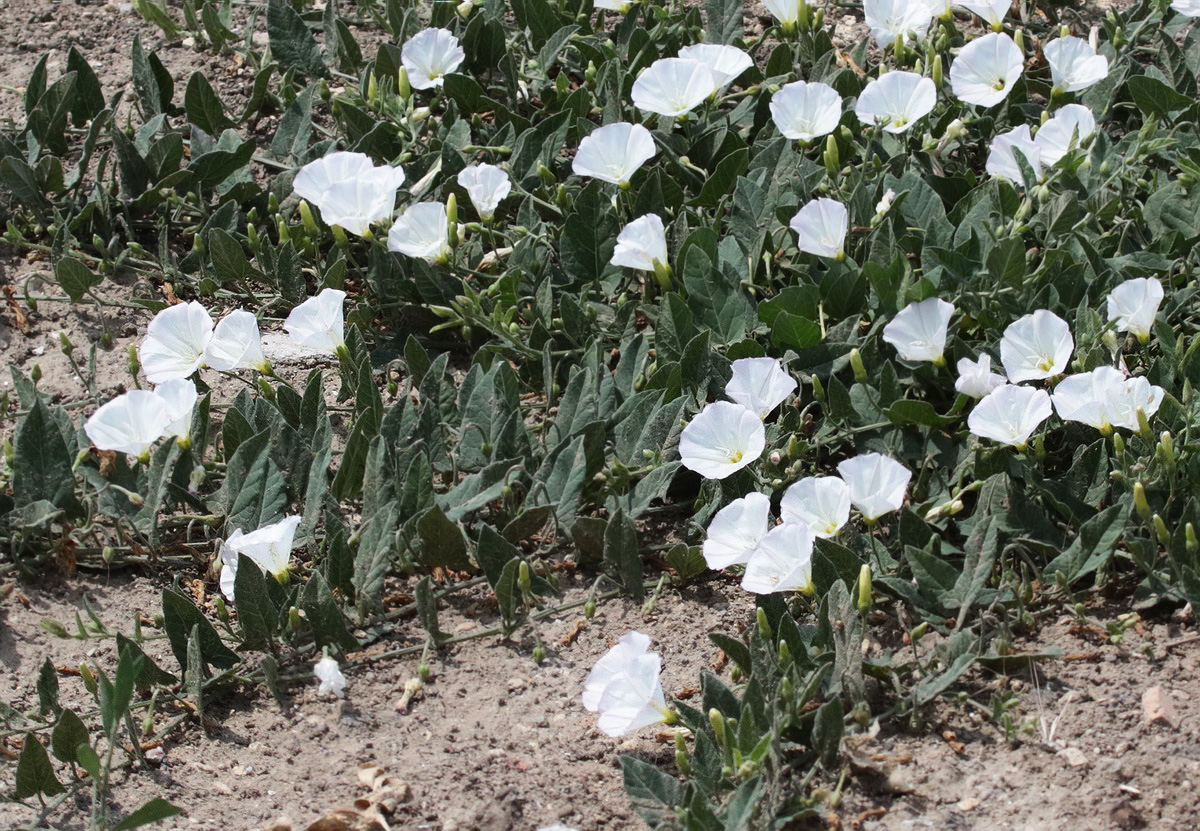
[
  {"x": 429, "y": 55},
  {"x": 317, "y": 177},
  {"x": 885, "y": 203},
  {"x": 129, "y": 423},
  {"x": 673, "y": 86},
  {"x": 270, "y": 547},
  {"x": 820, "y": 502},
  {"x": 782, "y": 562},
  {"x": 891, "y": 19},
  {"x": 1002, "y": 159},
  {"x": 1104, "y": 398},
  {"x": 975, "y": 378},
  {"x": 1074, "y": 64},
  {"x": 821, "y": 227},
  {"x": 986, "y": 70},
  {"x": 896, "y": 100},
  {"x": 236, "y": 344},
  {"x": 1139, "y": 394},
  {"x": 992, "y": 11},
  {"x": 330, "y": 675},
  {"x": 1009, "y": 414},
  {"x": 318, "y": 322},
  {"x": 175, "y": 342},
  {"x": 624, "y": 688},
  {"x": 179, "y": 397},
  {"x": 877, "y": 484},
  {"x": 422, "y": 231},
  {"x": 919, "y": 331},
  {"x": 734, "y": 533},
  {"x": 1187, "y": 8},
  {"x": 1036, "y": 346},
  {"x": 725, "y": 62},
  {"x": 805, "y": 111},
  {"x": 1071, "y": 126},
  {"x": 721, "y": 440},
  {"x": 1133, "y": 305},
  {"x": 759, "y": 384},
  {"x": 357, "y": 203},
  {"x": 642, "y": 244},
  {"x": 786, "y": 12},
  {"x": 487, "y": 185},
  {"x": 613, "y": 153}
]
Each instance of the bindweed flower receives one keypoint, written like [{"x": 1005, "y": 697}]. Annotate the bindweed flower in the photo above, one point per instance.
[
  {"x": 919, "y": 331},
  {"x": 614, "y": 152},
  {"x": 236, "y": 344},
  {"x": 991, "y": 11},
  {"x": 759, "y": 384},
  {"x": 820, "y": 502},
  {"x": 1140, "y": 396},
  {"x": 976, "y": 379},
  {"x": 721, "y": 440},
  {"x": 877, "y": 484},
  {"x": 270, "y": 547},
  {"x": 179, "y": 397},
  {"x": 129, "y": 423},
  {"x": 358, "y": 203},
  {"x": 1133, "y": 305},
  {"x": 624, "y": 688},
  {"x": 735, "y": 531},
  {"x": 330, "y": 675},
  {"x": 782, "y": 562},
  {"x": 487, "y": 185},
  {"x": 642, "y": 244},
  {"x": 1104, "y": 398},
  {"x": 1187, "y": 8},
  {"x": 787, "y": 12},
  {"x": 1002, "y": 159},
  {"x": 1036, "y": 346},
  {"x": 175, "y": 342},
  {"x": 673, "y": 86},
  {"x": 986, "y": 70},
  {"x": 315, "y": 179},
  {"x": 429, "y": 56},
  {"x": 892, "y": 19},
  {"x": 1009, "y": 414},
  {"x": 1070, "y": 127},
  {"x": 821, "y": 227},
  {"x": 422, "y": 231},
  {"x": 805, "y": 111},
  {"x": 1074, "y": 64},
  {"x": 726, "y": 63},
  {"x": 896, "y": 100},
  {"x": 318, "y": 322}
]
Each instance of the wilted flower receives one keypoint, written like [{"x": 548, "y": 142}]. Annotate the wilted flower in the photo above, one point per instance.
[
  {"x": 1071, "y": 126},
  {"x": 318, "y": 322},
  {"x": 357, "y": 203},
  {"x": 820, "y": 502},
  {"x": 782, "y": 562},
  {"x": 1002, "y": 159},
  {"x": 270, "y": 547},
  {"x": 992, "y": 11},
  {"x": 673, "y": 86},
  {"x": 236, "y": 344},
  {"x": 624, "y": 687},
  {"x": 430, "y": 55},
  {"x": 487, "y": 185},
  {"x": 735, "y": 531},
  {"x": 422, "y": 231},
  {"x": 175, "y": 342},
  {"x": 330, "y": 675},
  {"x": 759, "y": 384},
  {"x": 1133, "y": 305},
  {"x": 896, "y": 100},
  {"x": 1074, "y": 64},
  {"x": 891, "y": 19},
  {"x": 726, "y": 63},
  {"x": 721, "y": 440},
  {"x": 919, "y": 331},
  {"x": 1036, "y": 346},
  {"x": 642, "y": 244},
  {"x": 804, "y": 111},
  {"x": 1009, "y": 414},
  {"x": 986, "y": 70},
  {"x": 821, "y": 227},
  {"x": 613, "y": 153},
  {"x": 179, "y": 397},
  {"x": 315, "y": 179},
  {"x": 975, "y": 378},
  {"x": 129, "y": 423},
  {"x": 877, "y": 484}
]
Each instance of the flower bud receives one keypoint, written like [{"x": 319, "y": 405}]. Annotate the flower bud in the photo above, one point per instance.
[
  {"x": 418, "y": 115},
  {"x": 1160, "y": 530},
  {"x": 1139, "y": 500},
  {"x": 546, "y": 175},
  {"x": 524, "y": 581},
  {"x": 831, "y": 157},
  {"x": 108, "y": 554},
  {"x": 88, "y": 677},
  {"x": 866, "y": 597},
  {"x": 937, "y": 71},
  {"x": 55, "y": 628},
  {"x": 36, "y": 373},
  {"x": 681, "y": 753},
  {"x": 589, "y": 609},
  {"x": 403, "y": 87},
  {"x": 718, "y": 725},
  {"x": 856, "y": 363},
  {"x": 1190, "y": 543},
  {"x": 464, "y": 9},
  {"x": 539, "y": 654},
  {"x": 764, "y": 625},
  {"x": 1118, "y": 444},
  {"x": 818, "y": 393},
  {"x": 306, "y": 217}
]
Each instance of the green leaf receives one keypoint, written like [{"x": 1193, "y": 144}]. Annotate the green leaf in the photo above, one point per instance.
[
  {"x": 1094, "y": 545},
  {"x": 292, "y": 43},
  {"x": 156, "y": 810},
  {"x": 69, "y": 732},
  {"x": 151, "y": 81},
  {"x": 795, "y": 331},
  {"x": 257, "y": 614},
  {"x": 654, "y": 793},
  {"x": 295, "y": 128},
  {"x": 156, "y": 13},
  {"x": 1006, "y": 262},
  {"x": 180, "y": 617},
  {"x": 725, "y": 21},
  {"x": 325, "y": 616},
  {"x": 203, "y": 106},
  {"x": 1155, "y": 98},
  {"x": 589, "y": 235},
  {"x": 262, "y": 495},
  {"x": 827, "y": 733},
  {"x": 89, "y": 97},
  {"x": 622, "y": 554},
  {"x": 75, "y": 278},
  {"x": 724, "y": 177},
  {"x": 687, "y": 561},
  {"x": 41, "y": 462},
  {"x": 442, "y": 542},
  {"x": 47, "y": 688},
  {"x": 427, "y": 611},
  {"x": 908, "y": 411},
  {"x": 35, "y": 771}
]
